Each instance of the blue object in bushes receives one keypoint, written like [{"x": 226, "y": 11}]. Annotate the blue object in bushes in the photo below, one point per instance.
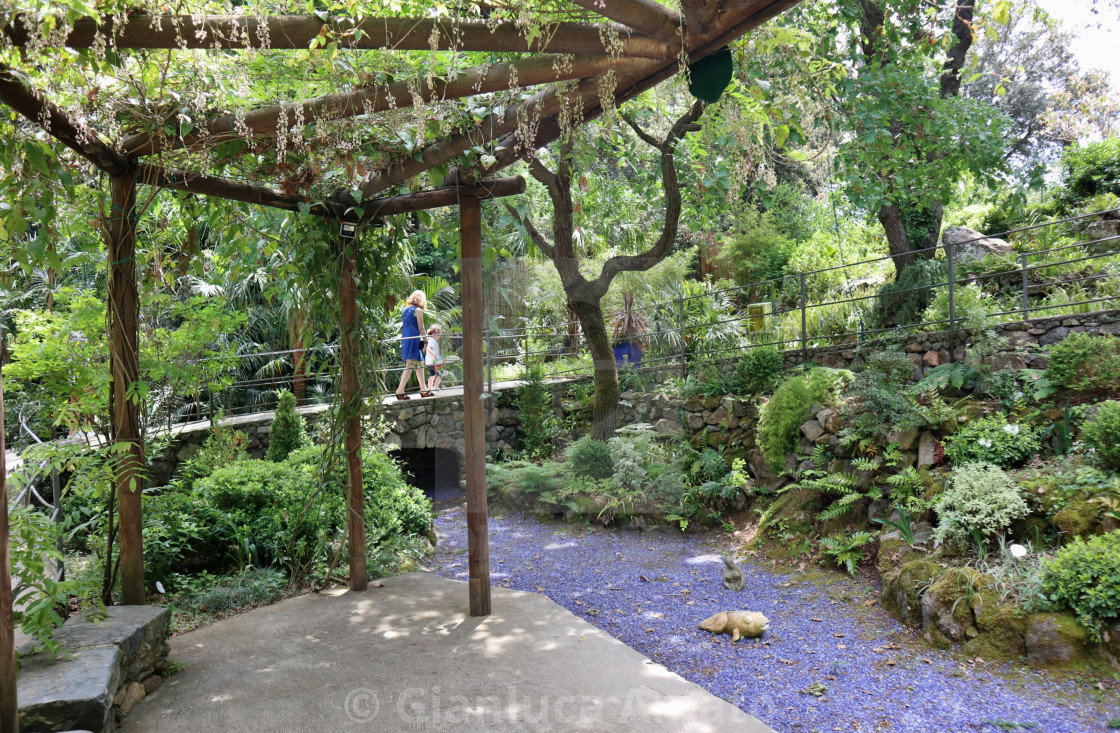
[{"x": 627, "y": 353}]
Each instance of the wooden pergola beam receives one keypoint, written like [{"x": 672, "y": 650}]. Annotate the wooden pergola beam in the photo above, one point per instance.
[
  {"x": 736, "y": 18},
  {"x": 699, "y": 15},
  {"x": 298, "y": 31},
  {"x": 223, "y": 188},
  {"x": 368, "y": 100},
  {"x": 18, "y": 94},
  {"x": 644, "y": 16},
  {"x": 542, "y": 105},
  {"x": 740, "y": 16}
]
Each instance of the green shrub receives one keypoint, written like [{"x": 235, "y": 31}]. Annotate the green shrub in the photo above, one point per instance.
[
  {"x": 980, "y": 498},
  {"x": 780, "y": 419},
  {"x": 1092, "y": 169},
  {"x": 222, "y": 447},
  {"x": 1084, "y": 361},
  {"x": 758, "y": 370},
  {"x": 534, "y": 409},
  {"x": 1102, "y": 434},
  {"x": 904, "y": 300},
  {"x": 879, "y": 397},
  {"x": 971, "y": 306},
  {"x": 993, "y": 440},
  {"x": 632, "y": 456},
  {"x": 288, "y": 431},
  {"x": 289, "y": 512},
  {"x": 758, "y": 251},
  {"x": 1085, "y": 576},
  {"x": 589, "y": 458}
]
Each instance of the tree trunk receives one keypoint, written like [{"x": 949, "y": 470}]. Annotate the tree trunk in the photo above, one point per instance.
[
  {"x": 604, "y": 412},
  {"x": 908, "y": 244}
]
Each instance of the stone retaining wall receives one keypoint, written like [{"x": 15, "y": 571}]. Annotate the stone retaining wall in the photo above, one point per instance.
[{"x": 932, "y": 349}]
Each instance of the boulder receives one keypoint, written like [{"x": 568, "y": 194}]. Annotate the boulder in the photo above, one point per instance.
[
  {"x": 969, "y": 244},
  {"x": 1001, "y": 637},
  {"x": 1055, "y": 638},
  {"x": 951, "y": 605},
  {"x": 931, "y": 359},
  {"x": 71, "y": 692},
  {"x": 812, "y": 430},
  {"x": 905, "y": 438},
  {"x": 133, "y": 694},
  {"x": 717, "y": 416},
  {"x": 904, "y": 586},
  {"x": 927, "y": 447},
  {"x": 1103, "y": 229},
  {"x": 669, "y": 428},
  {"x": 1080, "y": 518}
]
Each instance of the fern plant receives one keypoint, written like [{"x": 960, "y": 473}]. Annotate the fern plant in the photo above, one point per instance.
[
  {"x": 955, "y": 374},
  {"x": 845, "y": 484},
  {"x": 844, "y": 548}
]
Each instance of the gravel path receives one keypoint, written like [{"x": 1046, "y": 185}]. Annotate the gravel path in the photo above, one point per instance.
[{"x": 651, "y": 590}]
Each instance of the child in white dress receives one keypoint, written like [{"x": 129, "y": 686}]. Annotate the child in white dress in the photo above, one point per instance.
[{"x": 433, "y": 359}]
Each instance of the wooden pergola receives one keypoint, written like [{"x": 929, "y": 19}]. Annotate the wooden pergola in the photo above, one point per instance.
[{"x": 638, "y": 44}]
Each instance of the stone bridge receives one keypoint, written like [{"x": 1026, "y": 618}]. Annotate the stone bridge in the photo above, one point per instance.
[{"x": 426, "y": 434}]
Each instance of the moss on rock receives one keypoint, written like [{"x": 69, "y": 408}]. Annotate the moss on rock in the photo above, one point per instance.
[
  {"x": 951, "y": 605},
  {"x": 792, "y": 512},
  {"x": 903, "y": 589},
  {"x": 1079, "y": 519},
  {"x": 1056, "y": 639},
  {"x": 894, "y": 552},
  {"x": 1002, "y": 631}
]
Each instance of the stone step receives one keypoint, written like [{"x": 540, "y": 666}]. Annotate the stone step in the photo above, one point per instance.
[
  {"x": 77, "y": 690},
  {"x": 73, "y": 691}
]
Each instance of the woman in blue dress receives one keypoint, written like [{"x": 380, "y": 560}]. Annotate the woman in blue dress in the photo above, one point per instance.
[{"x": 412, "y": 325}]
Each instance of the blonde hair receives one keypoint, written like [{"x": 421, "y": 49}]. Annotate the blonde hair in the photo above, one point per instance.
[
  {"x": 418, "y": 299},
  {"x": 435, "y": 330}
]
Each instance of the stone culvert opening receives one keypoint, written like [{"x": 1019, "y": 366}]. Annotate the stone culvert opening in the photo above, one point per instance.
[{"x": 433, "y": 470}]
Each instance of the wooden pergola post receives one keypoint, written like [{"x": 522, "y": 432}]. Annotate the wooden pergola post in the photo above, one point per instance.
[
  {"x": 474, "y": 429},
  {"x": 124, "y": 309},
  {"x": 9, "y": 707},
  {"x": 352, "y": 404}
]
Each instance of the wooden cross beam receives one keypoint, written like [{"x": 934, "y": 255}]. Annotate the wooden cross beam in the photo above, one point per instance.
[
  {"x": 644, "y": 16},
  {"x": 379, "y": 98},
  {"x": 298, "y": 31}
]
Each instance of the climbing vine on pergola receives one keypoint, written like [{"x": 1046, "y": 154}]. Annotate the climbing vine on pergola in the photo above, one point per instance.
[{"x": 347, "y": 114}]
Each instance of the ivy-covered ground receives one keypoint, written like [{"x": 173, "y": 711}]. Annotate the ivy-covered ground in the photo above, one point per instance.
[{"x": 651, "y": 590}]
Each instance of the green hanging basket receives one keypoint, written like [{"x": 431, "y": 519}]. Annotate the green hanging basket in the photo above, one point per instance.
[{"x": 709, "y": 76}]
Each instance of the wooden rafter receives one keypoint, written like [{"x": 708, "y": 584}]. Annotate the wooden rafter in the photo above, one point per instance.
[
  {"x": 741, "y": 16},
  {"x": 368, "y": 100},
  {"x": 541, "y": 105},
  {"x": 699, "y": 15},
  {"x": 18, "y": 94},
  {"x": 403, "y": 34},
  {"x": 644, "y": 16}
]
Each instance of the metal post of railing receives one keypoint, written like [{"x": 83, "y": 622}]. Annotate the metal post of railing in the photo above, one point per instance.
[
  {"x": 1026, "y": 288},
  {"x": 952, "y": 286},
  {"x": 804, "y": 330},
  {"x": 210, "y": 403},
  {"x": 680, "y": 334}
]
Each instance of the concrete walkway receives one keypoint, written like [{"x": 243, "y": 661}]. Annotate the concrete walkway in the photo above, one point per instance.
[{"x": 407, "y": 656}]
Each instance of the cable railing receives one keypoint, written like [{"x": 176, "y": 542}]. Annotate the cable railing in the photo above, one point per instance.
[{"x": 685, "y": 331}]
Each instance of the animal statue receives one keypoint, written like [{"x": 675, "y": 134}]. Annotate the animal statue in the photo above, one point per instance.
[
  {"x": 733, "y": 575},
  {"x": 740, "y": 624}
]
